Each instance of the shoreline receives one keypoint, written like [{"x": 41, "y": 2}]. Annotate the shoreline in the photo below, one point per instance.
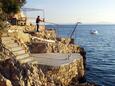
[{"x": 27, "y": 44}]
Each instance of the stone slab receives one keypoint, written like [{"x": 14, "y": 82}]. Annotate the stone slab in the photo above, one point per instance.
[{"x": 56, "y": 59}]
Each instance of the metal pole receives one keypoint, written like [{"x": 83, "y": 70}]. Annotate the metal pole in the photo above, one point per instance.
[
  {"x": 74, "y": 29},
  {"x": 43, "y": 13}
]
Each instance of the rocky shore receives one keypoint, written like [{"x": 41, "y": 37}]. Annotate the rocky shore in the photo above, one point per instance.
[
  {"x": 12, "y": 73},
  {"x": 15, "y": 73}
]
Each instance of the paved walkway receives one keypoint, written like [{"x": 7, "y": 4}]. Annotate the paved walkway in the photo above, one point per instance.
[{"x": 56, "y": 59}]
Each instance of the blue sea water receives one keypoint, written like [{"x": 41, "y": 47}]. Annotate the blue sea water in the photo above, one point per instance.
[{"x": 100, "y": 49}]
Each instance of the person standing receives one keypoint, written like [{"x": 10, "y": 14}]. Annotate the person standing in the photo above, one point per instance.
[{"x": 38, "y": 20}]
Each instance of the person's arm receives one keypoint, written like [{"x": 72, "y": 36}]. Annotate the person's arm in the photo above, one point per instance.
[{"x": 43, "y": 20}]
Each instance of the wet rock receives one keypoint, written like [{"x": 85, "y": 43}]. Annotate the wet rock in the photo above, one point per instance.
[{"x": 83, "y": 53}]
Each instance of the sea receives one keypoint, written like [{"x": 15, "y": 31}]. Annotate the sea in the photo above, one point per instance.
[{"x": 100, "y": 49}]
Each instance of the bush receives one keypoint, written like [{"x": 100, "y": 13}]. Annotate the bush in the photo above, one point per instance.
[
  {"x": 11, "y": 6},
  {"x": 7, "y": 8}
]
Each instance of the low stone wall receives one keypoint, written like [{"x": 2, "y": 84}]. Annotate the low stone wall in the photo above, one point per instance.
[
  {"x": 44, "y": 47},
  {"x": 63, "y": 74},
  {"x": 38, "y": 48}
]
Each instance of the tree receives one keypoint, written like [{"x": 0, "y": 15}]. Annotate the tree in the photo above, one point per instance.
[
  {"x": 11, "y": 6},
  {"x": 8, "y": 7}
]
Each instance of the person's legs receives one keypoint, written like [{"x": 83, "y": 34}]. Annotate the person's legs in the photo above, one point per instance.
[{"x": 37, "y": 27}]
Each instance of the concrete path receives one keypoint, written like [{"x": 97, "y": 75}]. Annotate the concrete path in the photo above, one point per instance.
[{"x": 56, "y": 59}]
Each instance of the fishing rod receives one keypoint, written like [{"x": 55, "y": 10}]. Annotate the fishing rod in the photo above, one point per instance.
[
  {"x": 52, "y": 23},
  {"x": 74, "y": 29},
  {"x": 69, "y": 55}
]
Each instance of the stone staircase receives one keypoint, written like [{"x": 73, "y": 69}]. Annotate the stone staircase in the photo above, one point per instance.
[{"x": 19, "y": 51}]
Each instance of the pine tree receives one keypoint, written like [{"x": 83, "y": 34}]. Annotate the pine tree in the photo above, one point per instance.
[
  {"x": 11, "y": 6},
  {"x": 8, "y": 7}
]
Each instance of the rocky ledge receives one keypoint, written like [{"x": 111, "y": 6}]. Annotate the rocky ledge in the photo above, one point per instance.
[
  {"x": 12, "y": 73},
  {"x": 51, "y": 71}
]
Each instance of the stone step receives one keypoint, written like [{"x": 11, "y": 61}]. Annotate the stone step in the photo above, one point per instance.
[
  {"x": 12, "y": 45},
  {"x": 21, "y": 57},
  {"x": 26, "y": 60},
  {"x": 19, "y": 52},
  {"x": 8, "y": 42},
  {"x": 18, "y": 48},
  {"x": 6, "y": 38},
  {"x": 33, "y": 62},
  {"x": 5, "y": 34}
]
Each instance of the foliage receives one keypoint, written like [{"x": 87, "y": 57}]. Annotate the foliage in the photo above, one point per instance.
[
  {"x": 7, "y": 8},
  {"x": 11, "y": 6}
]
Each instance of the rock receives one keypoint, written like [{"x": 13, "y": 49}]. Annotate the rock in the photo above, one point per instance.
[
  {"x": 83, "y": 53},
  {"x": 15, "y": 74},
  {"x": 38, "y": 47},
  {"x": 8, "y": 83},
  {"x": 46, "y": 34},
  {"x": 4, "y": 81},
  {"x": 22, "y": 36}
]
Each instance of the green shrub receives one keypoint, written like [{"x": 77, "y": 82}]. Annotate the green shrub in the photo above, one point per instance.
[
  {"x": 11, "y": 6},
  {"x": 8, "y": 8}
]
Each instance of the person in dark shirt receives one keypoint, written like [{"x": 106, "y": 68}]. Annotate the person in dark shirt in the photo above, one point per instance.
[{"x": 38, "y": 20}]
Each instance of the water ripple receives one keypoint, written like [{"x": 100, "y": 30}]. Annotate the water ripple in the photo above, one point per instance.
[{"x": 100, "y": 51}]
